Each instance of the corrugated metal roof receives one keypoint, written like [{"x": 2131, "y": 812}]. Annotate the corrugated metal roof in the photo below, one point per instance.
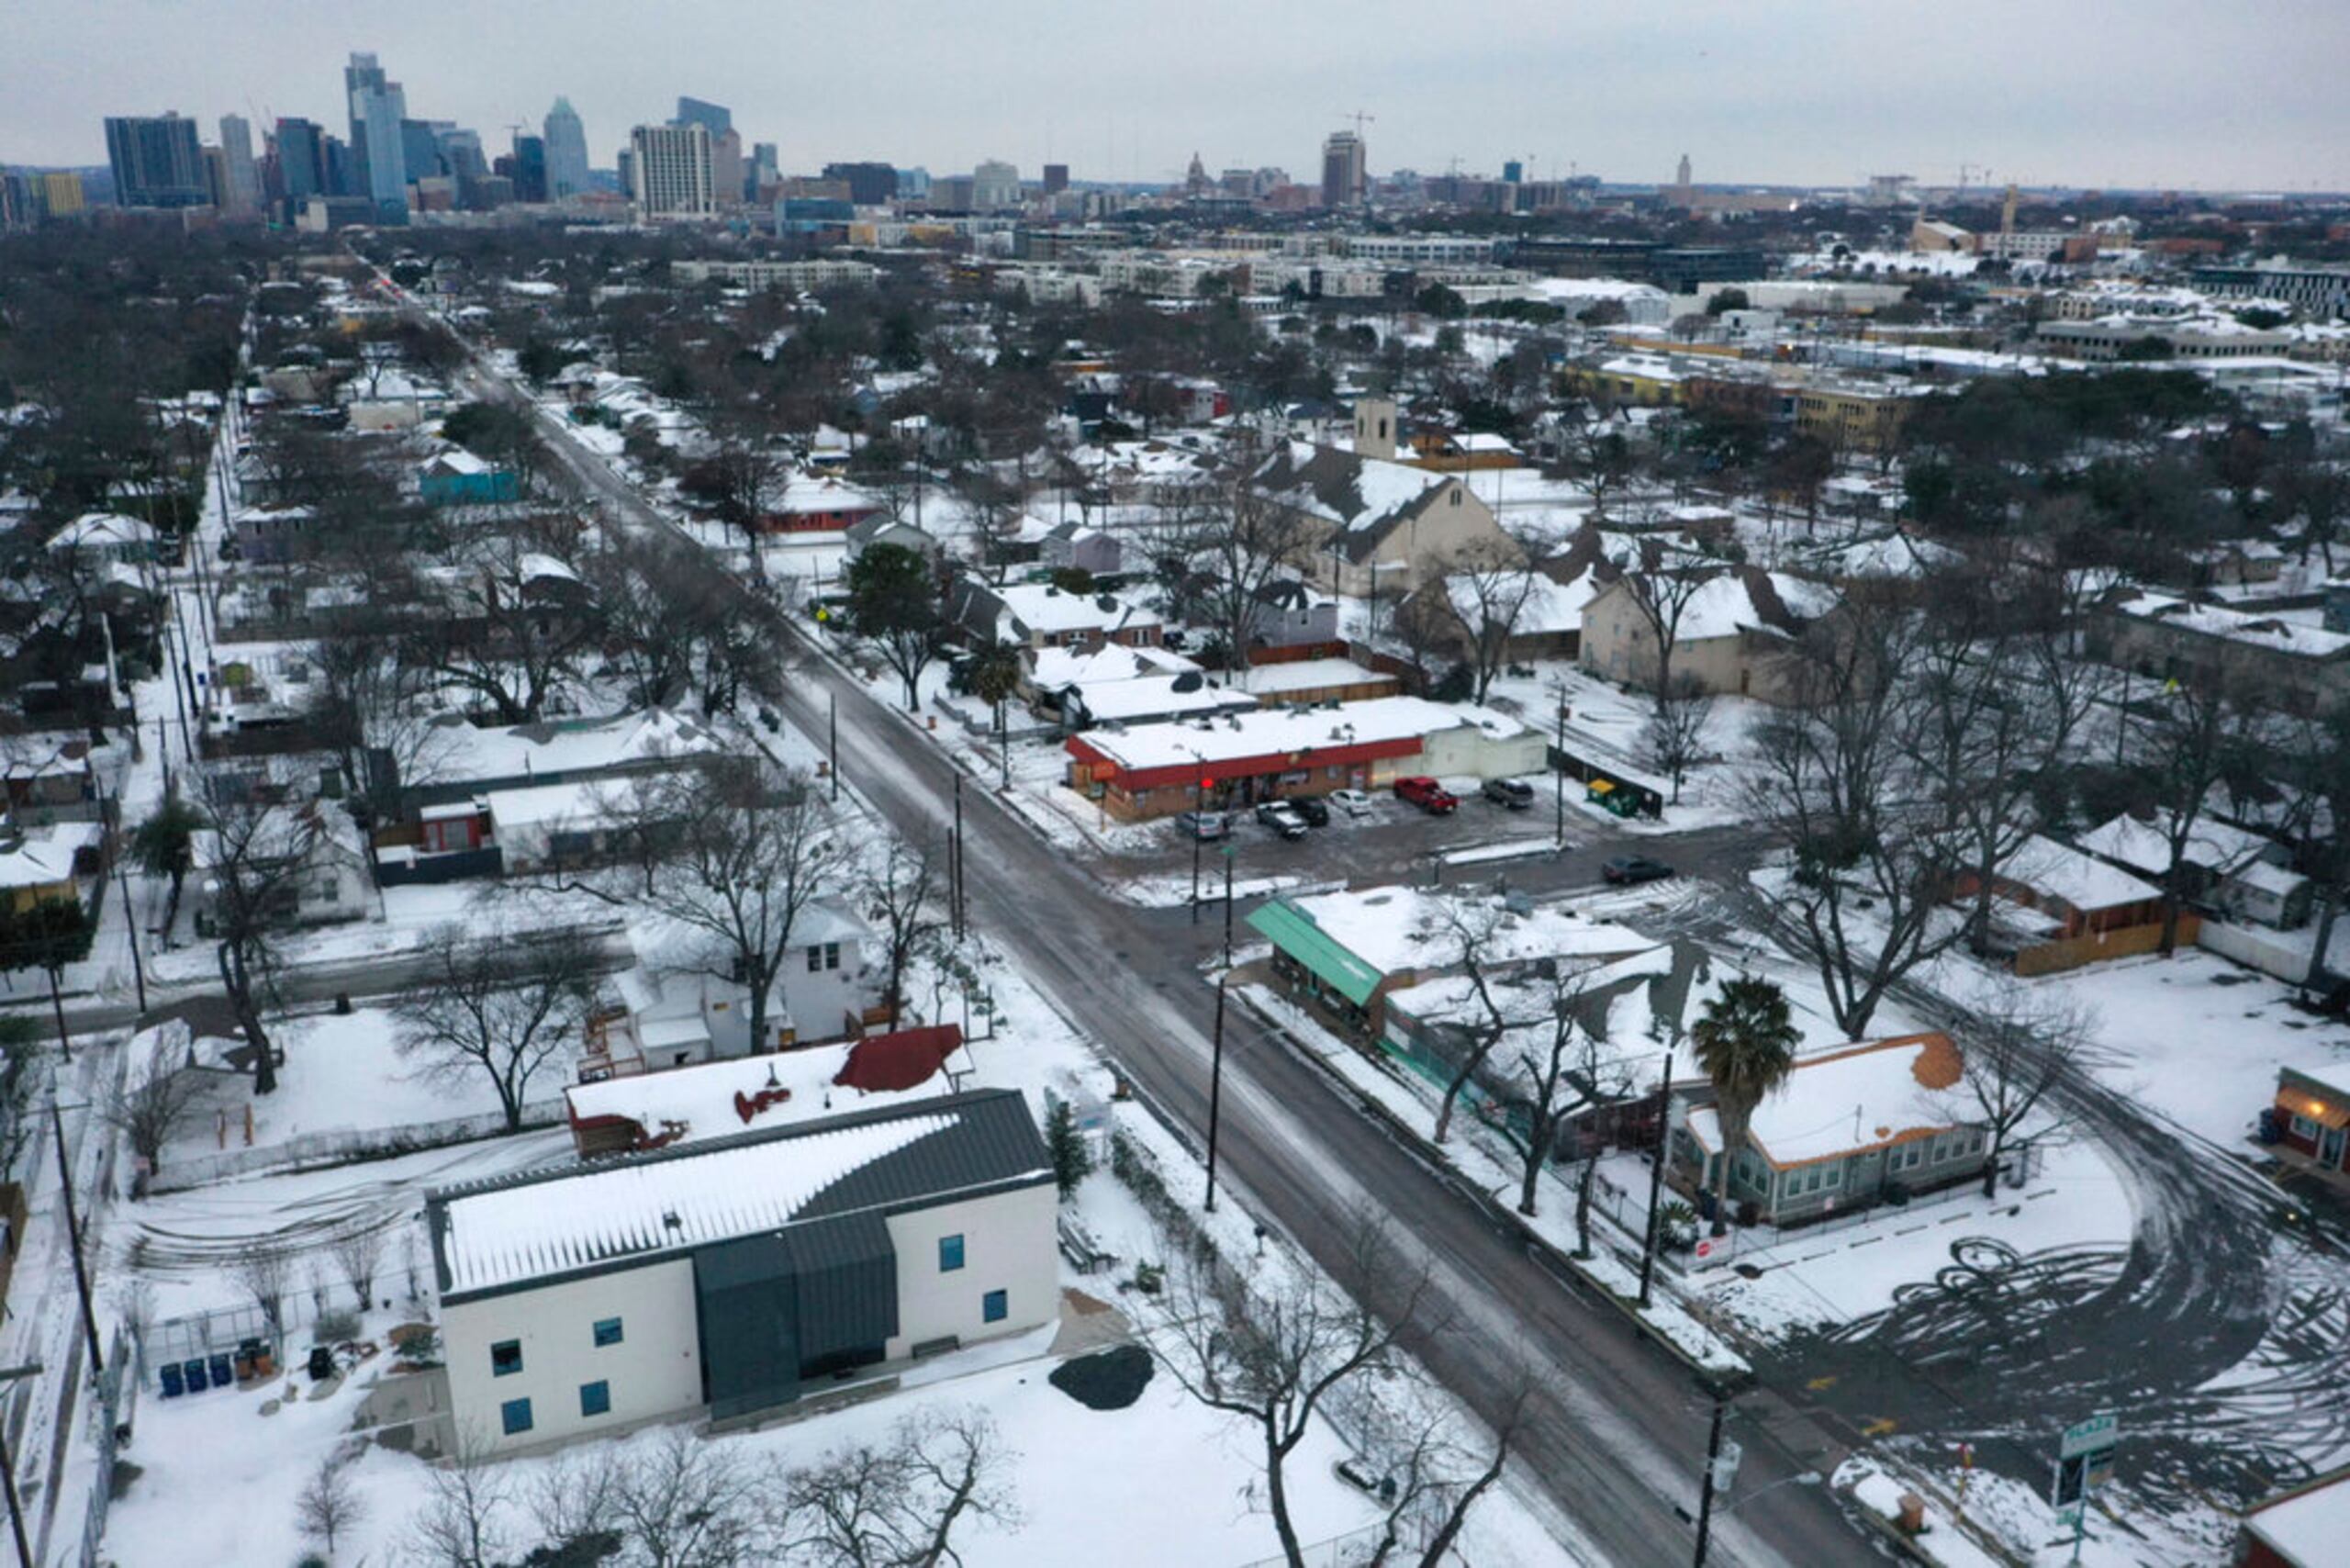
[
  {"x": 508, "y": 1233},
  {"x": 1294, "y": 931}
]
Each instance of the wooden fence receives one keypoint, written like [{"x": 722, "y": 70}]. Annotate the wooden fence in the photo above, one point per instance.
[{"x": 2125, "y": 942}]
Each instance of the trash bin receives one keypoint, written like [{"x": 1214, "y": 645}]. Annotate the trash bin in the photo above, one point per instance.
[
  {"x": 174, "y": 1385},
  {"x": 222, "y": 1376},
  {"x": 192, "y": 1369},
  {"x": 321, "y": 1365}
]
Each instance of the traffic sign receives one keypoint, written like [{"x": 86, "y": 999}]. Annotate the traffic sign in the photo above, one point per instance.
[
  {"x": 1705, "y": 1248},
  {"x": 2097, "y": 1432}
]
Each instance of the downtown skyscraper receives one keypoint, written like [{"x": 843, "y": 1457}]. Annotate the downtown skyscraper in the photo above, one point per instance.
[
  {"x": 377, "y": 107},
  {"x": 566, "y": 152}
]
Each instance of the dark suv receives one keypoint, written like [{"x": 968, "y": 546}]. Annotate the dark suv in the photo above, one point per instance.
[
  {"x": 1277, "y": 815},
  {"x": 1315, "y": 812}
]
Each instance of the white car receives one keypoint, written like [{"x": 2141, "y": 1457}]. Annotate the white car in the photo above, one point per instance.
[{"x": 1354, "y": 802}]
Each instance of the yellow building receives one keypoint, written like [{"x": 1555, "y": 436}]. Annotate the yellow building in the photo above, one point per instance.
[
  {"x": 62, "y": 194},
  {"x": 1853, "y": 418}
]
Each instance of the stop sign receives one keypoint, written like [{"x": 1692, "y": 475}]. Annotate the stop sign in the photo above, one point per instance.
[{"x": 1705, "y": 1248}]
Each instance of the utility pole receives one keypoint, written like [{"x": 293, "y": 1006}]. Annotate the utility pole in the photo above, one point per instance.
[
  {"x": 74, "y": 1234},
  {"x": 131, "y": 925},
  {"x": 1215, "y": 1086},
  {"x": 1558, "y": 770},
  {"x": 57, "y": 1006},
  {"x": 1199, "y": 794},
  {"x": 833, "y": 727},
  {"x": 1229, "y": 851},
  {"x": 1706, "y": 1490},
  {"x": 1656, "y": 1172},
  {"x": 958, "y": 857},
  {"x": 1003, "y": 745},
  {"x": 8, "y": 1475}
]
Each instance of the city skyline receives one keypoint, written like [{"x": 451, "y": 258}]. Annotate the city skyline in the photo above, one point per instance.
[{"x": 2183, "y": 99}]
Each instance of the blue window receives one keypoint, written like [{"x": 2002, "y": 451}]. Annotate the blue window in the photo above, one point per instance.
[
  {"x": 516, "y": 1413},
  {"x": 505, "y": 1357},
  {"x": 608, "y": 1331},
  {"x": 596, "y": 1398},
  {"x": 995, "y": 1307},
  {"x": 950, "y": 1253}
]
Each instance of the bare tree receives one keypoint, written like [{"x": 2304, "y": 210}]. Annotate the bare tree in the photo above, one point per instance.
[
  {"x": 466, "y": 1520},
  {"x": 1239, "y": 549},
  {"x": 1488, "y": 589},
  {"x": 899, "y": 899},
  {"x": 1674, "y": 736},
  {"x": 155, "y": 1100},
  {"x": 511, "y": 632},
  {"x": 1662, "y": 596},
  {"x": 898, "y": 1505},
  {"x": 742, "y": 474},
  {"x": 328, "y": 1506},
  {"x": 253, "y": 862},
  {"x": 577, "y": 1498},
  {"x": 496, "y": 1011},
  {"x": 356, "y": 1257},
  {"x": 1437, "y": 1480},
  {"x": 2018, "y": 1049},
  {"x": 1471, "y": 929},
  {"x": 1271, "y": 1359},
  {"x": 686, "y": 1503},
  {"x": 2205, "y": 734},
  {"x": 264, "y": 1274}
]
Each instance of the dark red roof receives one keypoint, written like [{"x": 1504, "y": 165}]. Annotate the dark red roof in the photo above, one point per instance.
[{"x": 887, "y": 1063}]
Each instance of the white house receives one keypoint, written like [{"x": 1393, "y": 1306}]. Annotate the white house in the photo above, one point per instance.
[{"x": 719, "y": 1277}]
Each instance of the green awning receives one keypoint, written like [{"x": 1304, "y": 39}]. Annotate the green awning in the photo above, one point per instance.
[{"x": 1294, "y": 931}]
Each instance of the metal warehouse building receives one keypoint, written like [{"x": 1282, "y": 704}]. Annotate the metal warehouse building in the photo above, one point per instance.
[{"x": 727, "y": 1276}]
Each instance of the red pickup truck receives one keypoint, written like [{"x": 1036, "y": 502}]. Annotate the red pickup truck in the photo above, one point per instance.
[{"x": 1428, "y": 794}]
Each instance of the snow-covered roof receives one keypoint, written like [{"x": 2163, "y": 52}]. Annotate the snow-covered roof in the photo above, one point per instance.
[
  {"x": 1849, "y": 1102},
  {"x": 807, "y": 493},
  {"x": 2277, "y": 881},
  {"x": 102, "y": 530},
  {"x": 1308, "y": 674},
  {"x": 2235, "y": 625},
  {"x": 2333, "y": 1075},
  {"x": 513, "y": 1232},
  {"x": 1280, "y": 730},
  {"x": 1048, "y": 611},
  {"x": 456, "y": 460},
  {"x": 1544, "y": 607},
  {"x": 700, "y": 1102},
  {"x": 1355, "y": 493},
  {"x": 2143, "y": 846},
  {"x": 1397, "y": 928},
  {"x": 1052, "y": 668},
  {"x": 468, "y": 752},
  {"x": 43, "y": 855},
  {"x": 1156, "y": 696},
  {"x": 2082, "y": 881},
  {"x": 2307, "y": 1526}
]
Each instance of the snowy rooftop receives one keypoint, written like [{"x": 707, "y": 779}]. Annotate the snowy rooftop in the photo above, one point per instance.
[
  {"x": 1308, "y": 674},
  {"x": 468, "y": 752},
  {"x": 1398, "y": 929},
  {"x": 2236, "y": 625},
  {"x": 102, "y": 530},
  {"x": 816, "y": 493},
  {"x": 511, "y": 1232},
  {"x": 1157, "y": 697},
  {"x": 2082, "y": 881},
  {"x": 1544, "y": 607},
  {"x": 1849, "y": 1102},
  {"x": 1352, "y": 492},
  {"x": 1046, "y": 609},
  {"x": 45, "y": 855},
  {"x": 2143, "y": 846},
  {"x": 701, "y": 1100},
  {"x": 1274, "y": 731},
  {"x": 1052, "y": 668},
  {"x": 2306, "y": 1526}
]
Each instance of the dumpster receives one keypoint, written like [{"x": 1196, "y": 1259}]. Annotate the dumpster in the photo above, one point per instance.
[{"x": 1609, "y": 798}]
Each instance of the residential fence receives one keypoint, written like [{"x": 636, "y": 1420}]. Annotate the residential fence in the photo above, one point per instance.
[
  {"x": 1339, "y": 1551},
  {"x": 2128, "y": 942},
  {"x": 118, "y": 1405},
  {"x": 313, "y": 1151},
  {"x": 1743, "y": 1240},
  {"x": 2272, "y": 953}
]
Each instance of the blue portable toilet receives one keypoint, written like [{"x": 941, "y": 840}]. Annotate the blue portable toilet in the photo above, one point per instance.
[
  {"x": 173, "y": 1386},
  {"x": 193, "y": 1369}
]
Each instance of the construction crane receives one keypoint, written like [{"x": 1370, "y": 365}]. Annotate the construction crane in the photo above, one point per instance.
[{"x": 1360, "y": 118}]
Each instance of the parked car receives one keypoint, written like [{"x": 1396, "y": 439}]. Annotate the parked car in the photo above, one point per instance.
[
  {"x": 1311, "y": 808},
  {"x": 1627, "y": 869},
  {"x": 1277, "y": 815},
  {"x": 1515, "y": 793},
  {"x": 1354, "y": 802},
  {"x": 1204, "y": 824},
  {"x": 1428, "y": 794}
]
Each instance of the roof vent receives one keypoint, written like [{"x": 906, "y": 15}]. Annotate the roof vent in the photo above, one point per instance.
[{"x": 670, "y": 1221}]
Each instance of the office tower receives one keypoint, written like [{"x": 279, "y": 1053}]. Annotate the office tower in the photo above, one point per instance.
[
  {"x": 913, "y": 184},
  {"x": 1056, "y": 178},
  {"x": 670, "y": 171},
  {"x": 531, "y": 169},
  {"x": 1681, "y": 174},
  {"x": 461, "y": 153},
  {"x": 715, "y": 119},
  {"x": 301, "y": 160},
  {"x": 157, "y": 162},
  {"x": 16, "y": 201},
  {"x": 1345, "y": 170},
  {"x": 869, "y": 185},
  {"x": 726, "y": 165},
  {"x": 766, "y": 169},
  {"x": 419, "y": 149},
  {"x": 237, "y": 155},
  {"x": 60, "y": 193},
  {"x": 994, "y": 186},
  {"x": 377, "y": 107},
  {"x": 1514, "y": 172},
  {"x": 566, "y": 154}
]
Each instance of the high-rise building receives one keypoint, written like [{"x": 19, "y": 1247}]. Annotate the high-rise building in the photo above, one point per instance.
[
  {"x": 1345, "y": 170},
  {"x": 869, "y": 185},
  {"x": 59, "y": 191},
  {"x": 566, "y": 154},
  {"x": 995, "y": 184},
  {"x": 1681, "y": 174},
  {"x": 377, "y": 107},
  {"x": 670, "y": 171},
  {"x": 1514, "y": 172},
  {"x": 1056, "y": 178},
  {"x": 237, "y": 158},
  {"x": 531, "y": 168},
  {"x": 715, "y": 119},
  {"x": 157, "y": 162},
  {"x": 726, "y": 165},
  {"x": 301, "y": 160},
  {"x": 420, "y": 150},
  {"x": 461, "y": 153},
  {"x": 766, "y": 169}
]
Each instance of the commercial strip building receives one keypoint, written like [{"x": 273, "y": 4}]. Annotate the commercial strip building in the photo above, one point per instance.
[
  {"x": 1155, "y": 770},
  {"x": 723, "y": 1277}
]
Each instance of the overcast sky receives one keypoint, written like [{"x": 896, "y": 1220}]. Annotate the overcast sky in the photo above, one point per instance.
[{"x": 2214, "y": 94}]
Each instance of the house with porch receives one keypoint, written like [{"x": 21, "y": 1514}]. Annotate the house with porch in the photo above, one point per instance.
[
  {"x": 1732, "y": 637},
  {"x": 2245, "y": 873},
  {"x": 1042, "y": 615},
  {"x": 458, "y": 478},
  {"x": 2310, "y": 1119},
  {"x": 1366, "y": 523},
  {"x": 2055, "y": 907},
  {"x": 50, "y": 863},
  {"x": 1847, "y": 1129}
]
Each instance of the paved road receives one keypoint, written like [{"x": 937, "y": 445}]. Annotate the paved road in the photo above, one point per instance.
[{"x": 1618, "y": 1432}]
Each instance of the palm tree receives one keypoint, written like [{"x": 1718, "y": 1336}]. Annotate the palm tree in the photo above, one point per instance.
[{"x": 1746, "y": 1042}]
